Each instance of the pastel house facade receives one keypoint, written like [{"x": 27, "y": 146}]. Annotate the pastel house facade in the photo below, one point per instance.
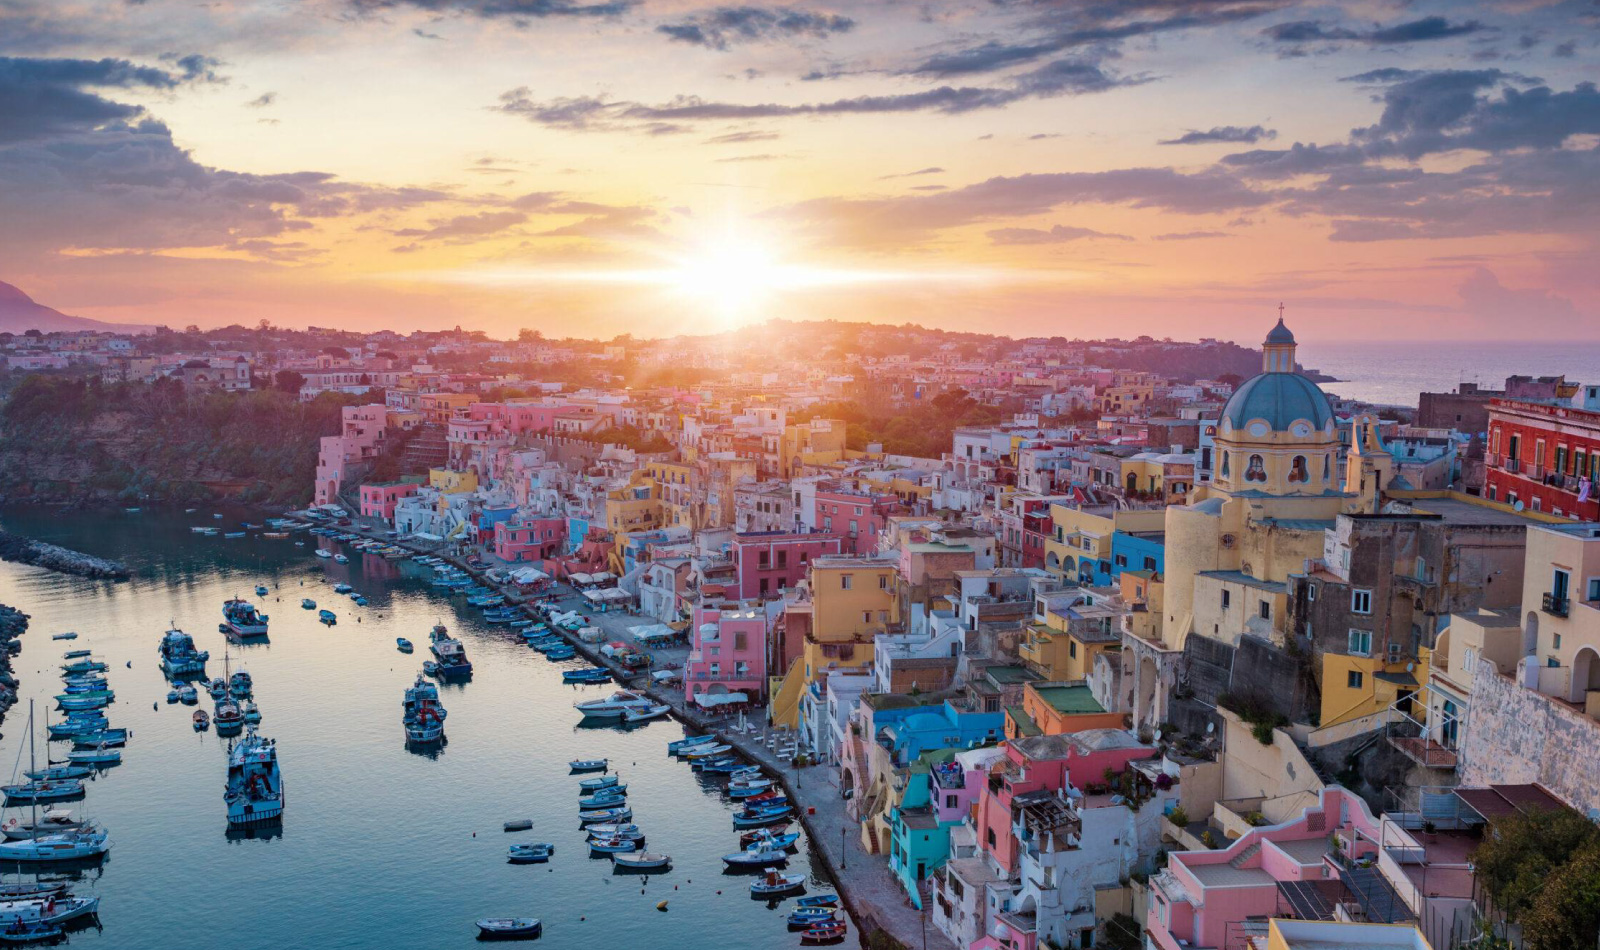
[{"x": 727, "y": 655}]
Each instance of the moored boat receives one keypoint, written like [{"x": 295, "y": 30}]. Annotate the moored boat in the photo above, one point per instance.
[
  {"x": 502, "y": 928},
  {"x": 530, "y": 853},
  {"x": 241, "y": 619},
  {"x": 179, "y": 658},
  {"x": 308, "y": 603},
  {"x": 642, "y": 861},
  {"x": 254, "y": 794},
  {"x": 620, "y": 814},
  {"x": 46, "y": 910},
  {"x": 645, "y": 714},
  {"x": 202, "y": 722},
  {"x": 32, "y": 931},
  {"x": 423, "y": 715},
  {"x": 53, "y": 821},
  {"x": 613, "y": 706},
  {"x": 403, "y": 645},
  {"x": 755, "y": 858},
  {"x": 328, "y": 617},
  {"x": 775, "y": 884},
  {"x": 452, "y": 656},
  {"x": 615, "y": 845},
  {"x": 99, "y": 755},
  {"x": 689, "y": 742},
  {"x": 588, "y": 765},
  {"x": 75, "y": 845}
]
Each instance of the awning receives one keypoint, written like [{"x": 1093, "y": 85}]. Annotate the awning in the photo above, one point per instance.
[
  {"x": 601, "y": 577},
  {"x": 719, "y": 699},
  {"x": 580, "y": 578}
]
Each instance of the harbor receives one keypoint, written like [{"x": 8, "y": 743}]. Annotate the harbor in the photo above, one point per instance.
[{"x": 370, "y": 819}]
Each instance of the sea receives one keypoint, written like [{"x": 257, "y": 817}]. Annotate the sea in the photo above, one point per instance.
[
  {"x": 380, "y": 846},
  {"x": 1394, "y": 373}
]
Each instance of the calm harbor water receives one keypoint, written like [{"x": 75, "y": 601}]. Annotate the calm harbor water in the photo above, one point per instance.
[{"x": 379, "y": 847}]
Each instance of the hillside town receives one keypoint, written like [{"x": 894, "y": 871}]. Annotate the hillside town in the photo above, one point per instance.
[{"x": 1172, "y": 661}]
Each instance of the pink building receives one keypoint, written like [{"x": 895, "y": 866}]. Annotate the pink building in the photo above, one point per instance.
[
  {"x": 358, "y": 442},
  {"x": 1046, "y": 763},
  {"x": 378, "y": 501},
  {"x": 769, "y": 562},
  {"x": 728, "y": 653},
  {"x": 859, "y": 517},
  {"x": 518, "y": 417},
  {"x": 529, "y": 539}
]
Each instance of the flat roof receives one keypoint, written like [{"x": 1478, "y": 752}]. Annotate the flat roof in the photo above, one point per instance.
[
  {"x": 1069, "y": 699},
  {"x": 1456, "y": 511},
  {"x": 1009, "y": 674}
]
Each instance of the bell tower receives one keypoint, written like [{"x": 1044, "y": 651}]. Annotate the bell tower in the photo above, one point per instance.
[{"x": 1277, "y": 352}]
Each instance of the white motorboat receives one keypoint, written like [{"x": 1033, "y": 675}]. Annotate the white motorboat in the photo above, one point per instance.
[
  {"x": 684, "y": 745},
  {"x": 614, "y": 706},
  {"x": 756, "y": 857},
  {"x": 642, "y": 861},
  {"x": 101, "y": 754},
  {"x": 645, "y": 713},
  {"x": 63, "y": 846},
  {"x": 53, "y": 821},
  {"x": 48, "y": 910}
]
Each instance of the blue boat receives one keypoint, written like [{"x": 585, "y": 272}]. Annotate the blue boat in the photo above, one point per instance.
[
  {"x": 403, "y": 644},
  {"x": 561, "y": 653},
  {"x": 328, "y": 617},
  {"x": 818, "y": 900},
  {"x": 591, "y": 675}
]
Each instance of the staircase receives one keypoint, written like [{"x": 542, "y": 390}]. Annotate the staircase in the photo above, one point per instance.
[
  {"x": 427, "y": 449},
  {"x": 1243, "y": 857}
]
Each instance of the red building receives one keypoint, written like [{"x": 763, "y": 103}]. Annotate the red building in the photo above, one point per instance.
[
  {"x": 531, "y": 539},
  {"x": 1546, "y": 455},
  {"x": 768, "y": 562},
  {"x": 378, "y": 501},
  {"x": 858, "y": 516}
]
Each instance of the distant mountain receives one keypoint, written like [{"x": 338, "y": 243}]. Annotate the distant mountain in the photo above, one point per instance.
[{"x": 19, "y": 313}]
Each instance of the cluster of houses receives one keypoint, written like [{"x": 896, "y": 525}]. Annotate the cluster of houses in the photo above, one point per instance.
[{"x": 1196, "y": 665}]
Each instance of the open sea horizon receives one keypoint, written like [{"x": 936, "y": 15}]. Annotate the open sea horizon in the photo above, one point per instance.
[{"x": 1390, "y": 373}]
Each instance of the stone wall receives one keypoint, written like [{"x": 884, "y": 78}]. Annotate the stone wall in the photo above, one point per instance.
[
  {"x": 1273, "y": 678},
  {"x": 1516, "y": 736}
]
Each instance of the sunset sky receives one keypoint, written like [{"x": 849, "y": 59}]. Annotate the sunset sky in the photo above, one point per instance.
[{"x": 590, "y": 167}]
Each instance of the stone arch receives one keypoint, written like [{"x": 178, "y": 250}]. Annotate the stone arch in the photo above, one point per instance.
[
  {"x": 1530, "y": 634},
  {"x": 1585, "y": 674}
]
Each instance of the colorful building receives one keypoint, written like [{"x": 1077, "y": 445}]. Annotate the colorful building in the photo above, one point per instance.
[
  {"x": 378, "y": 501},
  {"x": 727, "y": 654},
  {"x": 770, "y": 562}
]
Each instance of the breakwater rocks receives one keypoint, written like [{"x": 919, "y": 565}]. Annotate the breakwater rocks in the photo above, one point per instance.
[
  {"x": 12, "y": 623},
  {"x": 14, "y": 547}
]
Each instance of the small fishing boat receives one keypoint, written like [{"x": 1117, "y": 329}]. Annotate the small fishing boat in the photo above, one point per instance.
[
  {"x": 423, "y": 715},
  {"x": 562, "y": 652},
  {"x": 328, "y": 617},
  {"x": 32, "y": 931},
  {"x": 645, "y": 714},
  {"x": 592, "y": 674},
  {"x": 530, "y": 853},
  {"x": 172, "y": 695},
  {"x": 23, "y": 890},
  {"x": 403, "y": 644},
  {"x": 84, "y": 666},
  {"x": 240, "y": 684},
  {"x": 763, "y": 835},
  {"x": 595, "y": 784},
  {"x": 513, "y": 928},
  {"x": 241, "y": 619},
  {"x": 819, "y": 900},
  {"x": 689, "y": 742},
  {"x": 606, "y": 798},
  {"x": 202, "y": 721},
  {"x": 43, "y": 791},
  {"x": 97, "y": 699},
  {"x": 629, "y": 831},
  {"x": 342, "y": 588},
  {"x": 229, "y": 718},
  {"x": 75, "y": 654},
  {"x": 620, "y": 814},
  {"x": 110, "y": 737},
  {"x": 341, "y": 559},
  {"x": 755, "y": 858},
  {"x": 252, "y": 712},
  {"x": 642, "y": 861},
  {"x": 761, "y": 820},
  {"x": 706, "y": 752},
  {"x": 99, "y": 755},
  {"x": 615, "y": 845},
  {"x": 357, "y": 599},
  {"x": 450, "y": 653},
  {"x": 78, "y": 724},
  {"x": 764, "y": 839},
  {"x": 56, "y": 773},
  {"x": 519, "y": 824},
  {"x": 254, "y": 793},
  {"x": 749, "y": 788},
  {"x": 807, "y": 918},
  {"x": 430, "y": 667},
  {"x": 218, "y": 688},
  {"x": 53, "y": 821},
  {"x": 322, "y": 553},
  {"x": 261, "y": 590},
  {"x": 233, "y": 534},
  {"x": 308, "y": 603},
  {"x": 774, "y": 884},
  {"x": 721, "y": 765},
  {"x": 588, "y": 765},
  {"x": 188, "y": 695},
  {"x": 65, "y": 636},
  {"x": 833, "y": 932}
]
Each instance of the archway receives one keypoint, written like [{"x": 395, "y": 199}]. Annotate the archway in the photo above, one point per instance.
[
  {"x": 1530, "y": 634},
  {"x": 1585, "y": 675}
]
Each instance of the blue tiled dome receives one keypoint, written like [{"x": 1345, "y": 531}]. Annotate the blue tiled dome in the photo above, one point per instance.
[
  {"x": 1280, "y": 334},
  {"x": 1280, "y": 399}
]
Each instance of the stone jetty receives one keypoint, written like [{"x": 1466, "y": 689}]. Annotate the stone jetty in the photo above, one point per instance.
[
  {"x": 12, "y": 623},
  {"x": 14, "y": 547}
]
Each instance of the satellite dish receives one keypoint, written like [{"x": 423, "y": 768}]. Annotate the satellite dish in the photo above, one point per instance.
[
  {"x": 1518, "y": 506},
  {"x": 1411, "y": 667},
  {"x": 1210, "y": 728}
]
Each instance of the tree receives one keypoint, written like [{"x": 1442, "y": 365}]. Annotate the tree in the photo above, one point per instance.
[
  {"x": 529, "y": 336},
  {"x": 287, "y": 380},
  {"x": 1565, "y": 912},
  {"x": 1523, "y": 855}
]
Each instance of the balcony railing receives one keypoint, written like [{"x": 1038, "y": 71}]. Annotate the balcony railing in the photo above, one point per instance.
[{"x": 1555, "y": 605}]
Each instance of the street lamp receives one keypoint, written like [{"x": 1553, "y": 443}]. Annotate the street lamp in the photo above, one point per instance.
[{"x": 844, "y": 846}]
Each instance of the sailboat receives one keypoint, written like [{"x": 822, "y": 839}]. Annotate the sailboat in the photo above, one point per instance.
[
  {"x": 228, "y": 718},
  {"x": 76, "y": 843}
]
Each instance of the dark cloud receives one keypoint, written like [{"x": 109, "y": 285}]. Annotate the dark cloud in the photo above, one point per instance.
[
  {"x": 1428, "y": 112},
  {"x": 1223, "y": 133},
  {"x": 722, "y": 27},
  {"x": 515, "y": 11},
  {"x": 735, "y": 138},
  {"x": 596, "y": 113},
  {"x": 1059, "y": 234},
  {"x": 1298, "y": 159},
  {"x": 1037, "y": 136},
  {"x": 262, "y": 101},
  {"x": 195, "y": 67},
  {"x": 1412, "y": 31},
  {"x": 46, "y": 97}
]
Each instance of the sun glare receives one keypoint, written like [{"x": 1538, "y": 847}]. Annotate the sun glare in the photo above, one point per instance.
[{"x": 733, "y": 276}]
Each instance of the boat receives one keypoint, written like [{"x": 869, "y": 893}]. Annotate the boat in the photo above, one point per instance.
[
  {"x": 342, "y": 588},
  {"x": 708, "y": 752},
  {"x": 613, "y": 706},
  {"x": 233, "y": 534},
  {"x": 240, "y": 684},
  {"x": 530, "y": 853},
  {"x": 33, "y": 931},
  {"x": 99, "y": 755},
  {"x": 76, "y": 726},
  {"x": 761, "y": 819},
  {"x": 218, "y": 688},
  {"x": 592, "y": 675},
  {"x": 23, "y": 890},
  {"x": 595, "y": 784},
  {"x": 251, "y": 712},
  {"x": 423, "y": 715},
  {"x": 84, "y": 666},
  {"x": 642, "y": 861},
  {"x": 832, "y": 932},
  {"x": 53, "y": 821},
  {"x": 519, "y": 824},
  {"x": 242, "y": 620},
  {"x": 255, "y": 784},
  {"x": 773, "y": 884},
  {"x": 58, "y": 843},
  {"x": 358, "y": 600},
  {"x": 403, "y": 644},
  {"x": 689, "y": 742},
  {"x": 65, "y": 636},
  {"x": 748, "y": 788},
  {"x": 75, "y": 654},
  {"x": 764, "y": 839},
  {"x": 606, "y": 798},
  {"x": 323, "y": 553},
  {"x": 229, "y": 718},
  {"x": 188, "y": 695},
  {"x": 645, "y": 714},
  {"x": 820, "y": 900},
  {"x": 172, "y": 696},
  {"x": 341, "y": 559},
  {"x": 179, "y": 658},
  {"x": 202, "y": 721},
  {"x": 722, "y": 765},
  {"x": 430, "y": 667},
  {"x": 806, "y": 918},
  {"x": 561, "y": 652},
  {"x": 452, "y": 656},
  {"x": 43, "y": 791},
  {"x": 614, "y": 845},
  {"x": 626, "y": 832},
  {"x": 588, "y": 765},
  {"x": 503, "y": 928},
  {"x": 261, "y": 590},
  {"x": 98, "y": 699},
  {"x": 46, "y": 910},
  {"x": 56, "y": 773},
  {"x": 308, "y": 603},
  {"x": 756, "y": 858},
  {"x": 760, "y": 835},
  {"x": 619, "y": 814},
  {"x": 110, "y": 737}
]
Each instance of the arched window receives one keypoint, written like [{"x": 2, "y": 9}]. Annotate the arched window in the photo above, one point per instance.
[
  {"x": 1297, "y": 470},
  {"x": 1327, "y": 460},
  {"x": 1256, "y": 471},
  {"x": 1225, "y": 457}
]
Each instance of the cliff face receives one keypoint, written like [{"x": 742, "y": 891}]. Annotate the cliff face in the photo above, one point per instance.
[{"x": 65, "y": 440}]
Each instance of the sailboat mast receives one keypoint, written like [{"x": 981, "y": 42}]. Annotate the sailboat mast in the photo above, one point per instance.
[{"x": 32, "y": 766}]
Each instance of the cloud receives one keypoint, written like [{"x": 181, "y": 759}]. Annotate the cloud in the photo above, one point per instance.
[
  {"x": 467, "y": 227},
  {"x": 762, "y": 157},
  {"x": 735, "y": 138},
  {"x": 1412, "y": 31},
  {"x": 1190, "y": 235},
  {"x": 1483, "y": 296},
  {"x": 597, "y": 113},
  {"x": 1298, "y": 159},
  {"x": 1444, "y": 110},
  {"x": 1059, "y": 234},
  {"x": 262, "y": 101},
  {"x": 1223, "y": 133},
  {"x": 519, "y": 12},
  {"x": 930, "y": 170},
  {"x": 722, "y": 27}
]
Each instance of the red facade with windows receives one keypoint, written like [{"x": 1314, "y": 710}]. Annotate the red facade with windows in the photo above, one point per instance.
[
  {"x": 858, "y": 516},
  {"x": 1546, "y": 456},
  {"x": 768, "y": 562}
]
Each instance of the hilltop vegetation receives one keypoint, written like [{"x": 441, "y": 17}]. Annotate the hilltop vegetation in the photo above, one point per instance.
[{"x": 79, "y": 440}]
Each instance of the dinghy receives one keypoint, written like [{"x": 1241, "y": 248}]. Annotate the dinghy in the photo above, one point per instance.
[
  {"x": 502, "y": 928},
  {"x": 530, "y": 853},
  {"x": 588, "y": 765},
  {"x": 773, "y": 884},
  {"x": 755, "y": 858},
  {"x": 642, "y": 861}
]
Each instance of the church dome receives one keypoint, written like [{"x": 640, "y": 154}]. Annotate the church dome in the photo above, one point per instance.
[
  {"x": 1280, "y": 334},
  {"x": 1280, "y": 399}
]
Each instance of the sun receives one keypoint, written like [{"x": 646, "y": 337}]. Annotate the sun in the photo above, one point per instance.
[{"x": 733, "y": 274}]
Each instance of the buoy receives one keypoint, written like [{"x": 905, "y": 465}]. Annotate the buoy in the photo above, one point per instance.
[{"x": 661, "y": 906}]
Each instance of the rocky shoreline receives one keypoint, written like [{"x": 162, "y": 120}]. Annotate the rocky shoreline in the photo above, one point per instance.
[
  {"x": 14, "y": 547},
  {"x": 12, "y": 624}
]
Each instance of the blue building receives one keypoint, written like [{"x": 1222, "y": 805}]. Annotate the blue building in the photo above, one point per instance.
[
  {"x": 1137, "y": 552},
  {"x": 909, "y": 731}
]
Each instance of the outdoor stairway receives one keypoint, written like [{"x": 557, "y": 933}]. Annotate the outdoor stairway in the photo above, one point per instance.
[{"x": 1243, "y": 857}]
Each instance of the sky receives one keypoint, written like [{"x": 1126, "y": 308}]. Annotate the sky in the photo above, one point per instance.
[{"x": 1386, "y": 169}]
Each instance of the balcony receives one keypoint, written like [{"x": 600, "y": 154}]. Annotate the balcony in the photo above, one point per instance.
[{"x": 1555, "y": 605}]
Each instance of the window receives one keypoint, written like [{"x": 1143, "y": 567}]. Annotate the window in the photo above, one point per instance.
[
  {"x": 866, "y": 616},
  {"x": 1360, "y": 642},
  {"x": 1122, "y": 560},
  {"x": 1149, "y": 563},
  {"x": 1556, "y": 644},
  {"x": 1266, "y": 610},
  {"x": 783, "y": 558},
  {"x": 1256, "y": 471},
  {"x": 1361, "y": 601},
  {"x": 883, "y": 582},
  {"x": 1311, "y": 593},
  {"x": 1072, "y": 649},
  {"x": 1594, "y": 588},
  {"x": 1297, "y": 470},
  {"x": 844, "y": 581},
  {"x": 1353, "y": 679},
  {"x": 1224, "y": 600}
]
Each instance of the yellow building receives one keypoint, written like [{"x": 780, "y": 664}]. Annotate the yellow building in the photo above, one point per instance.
[
  {"x": 817, "y": 442},
  {"x": 1080, "y": 539},
  {"x": 1070, "y": 629},
  {"x": 451, "y": 482},
  {"x": 673, "y": 486},
  {"x": 852, "y": 600}
]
